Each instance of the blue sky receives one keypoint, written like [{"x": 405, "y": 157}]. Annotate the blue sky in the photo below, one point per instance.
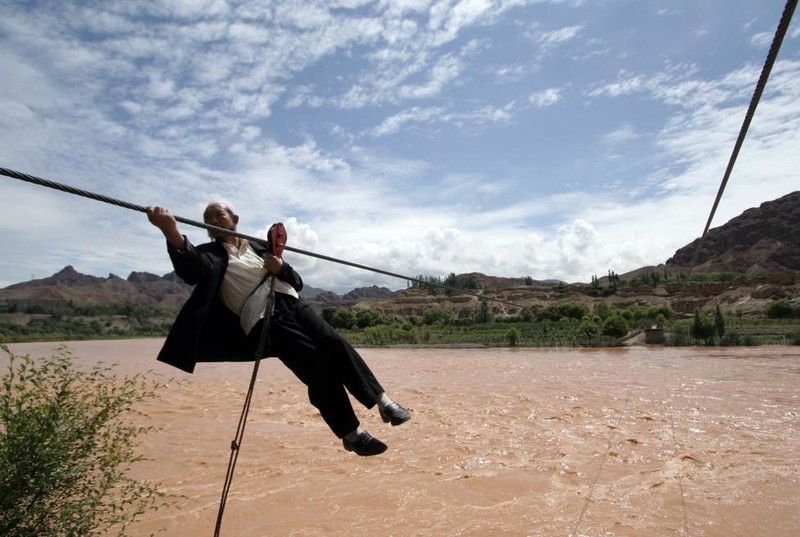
[{"x": 543, "y": 138}]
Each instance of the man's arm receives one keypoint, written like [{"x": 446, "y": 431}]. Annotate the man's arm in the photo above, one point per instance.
[{"x": 189, "y": 264}]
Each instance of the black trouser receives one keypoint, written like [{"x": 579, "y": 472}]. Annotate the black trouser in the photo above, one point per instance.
[{"x": 322, "y": 359}]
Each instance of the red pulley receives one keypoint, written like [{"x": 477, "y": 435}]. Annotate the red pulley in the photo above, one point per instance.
[{"x": 277, "y": 238}]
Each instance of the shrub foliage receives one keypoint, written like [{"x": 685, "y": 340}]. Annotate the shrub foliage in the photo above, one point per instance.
[{"x": 66, "y": 448}]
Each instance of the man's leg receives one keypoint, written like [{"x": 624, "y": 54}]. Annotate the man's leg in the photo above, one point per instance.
[
  {"x": 313, "y": 367},
  {"x": 353, "y": 371}
]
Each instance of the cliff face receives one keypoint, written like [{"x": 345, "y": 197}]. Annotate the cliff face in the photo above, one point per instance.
[{"x": 766, "y": 238}]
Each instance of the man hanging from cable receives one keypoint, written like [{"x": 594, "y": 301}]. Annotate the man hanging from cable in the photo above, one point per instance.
[{"x": 223, "y": 319}]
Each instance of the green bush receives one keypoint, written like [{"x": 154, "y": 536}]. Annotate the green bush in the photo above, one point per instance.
[
  {"x": 780, "y": 309},
  {"x": 615, "y": 325},
  {"x": 65, "y": 449},
  {"x": 556, "y": 312},
  {"x": 703, "y": 327},
  {"x": 512, "y": 336},
  {"x": 340, "y": 318},
  {"x": 436, "y": 314}
]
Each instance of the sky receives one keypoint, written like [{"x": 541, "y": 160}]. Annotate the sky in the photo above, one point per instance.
[{"x": 556, "y": 139}]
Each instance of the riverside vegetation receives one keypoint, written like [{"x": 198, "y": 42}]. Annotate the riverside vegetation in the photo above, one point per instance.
[
  {"x": 66, "y": 445},
  {"x": 557, "y": 325},
  {"x": 569, "y": 325}
]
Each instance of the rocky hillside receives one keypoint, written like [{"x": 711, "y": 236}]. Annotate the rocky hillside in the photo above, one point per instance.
[
  {"x": 765, "y": 238},
  {"x": 761, "y": 243},
  {"x": 139, "y": 289}
]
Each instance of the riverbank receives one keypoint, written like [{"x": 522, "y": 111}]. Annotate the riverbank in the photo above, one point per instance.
[{"x": 635, "y": 441}]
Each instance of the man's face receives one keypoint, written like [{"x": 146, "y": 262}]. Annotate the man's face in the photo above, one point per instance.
[{"x": 217, "y": 214}]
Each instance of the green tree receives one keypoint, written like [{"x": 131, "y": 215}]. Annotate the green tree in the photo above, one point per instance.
[
  {"x": 339, "y": 318},
  {"x": 512, "y": 336},
  {"x": 702, "y": 326},
  {"x": 484, "y": 315},
  {"x": 436, "y": 314},
  {"x": 368, "y": 317},
  {"x": 614, "y": 281},
  {"x": 65, "y": 448},
  {"x": 595, "y": 282},
  {"x": 603, "y": 309},
  {"x": 719, "y": 322}
]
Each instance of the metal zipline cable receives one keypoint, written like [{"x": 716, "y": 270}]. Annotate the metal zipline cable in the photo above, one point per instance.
[
  {"x": 772, "y": 55},
  {"x": 132, "y": 206}
]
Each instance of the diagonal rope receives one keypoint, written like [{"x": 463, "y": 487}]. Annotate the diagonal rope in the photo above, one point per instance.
[
  {"x": 132, "y": 206},
  {"x": 236, "y": 443},
  {"x": 772, "y": 55},
  {"x": 593, "y": 485}
]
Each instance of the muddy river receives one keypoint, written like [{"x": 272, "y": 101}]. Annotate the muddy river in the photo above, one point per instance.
[{"x": 515, "y": 442}]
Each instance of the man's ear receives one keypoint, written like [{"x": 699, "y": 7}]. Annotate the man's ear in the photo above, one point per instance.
[{"x": 235, "y": 219}]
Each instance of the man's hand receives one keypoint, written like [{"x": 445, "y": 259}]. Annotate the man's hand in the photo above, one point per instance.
[
  {"x": 273, "y": 264},
  {"x": 162, "y": 218}
]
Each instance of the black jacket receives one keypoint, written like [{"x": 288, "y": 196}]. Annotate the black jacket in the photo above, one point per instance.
[{"x": 205, "y": 330}]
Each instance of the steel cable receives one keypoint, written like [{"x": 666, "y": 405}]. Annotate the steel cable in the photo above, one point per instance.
[{"x": 132, "y": 206}]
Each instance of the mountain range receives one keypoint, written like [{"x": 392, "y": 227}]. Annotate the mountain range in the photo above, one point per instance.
[{"x": 761, "y": 242}]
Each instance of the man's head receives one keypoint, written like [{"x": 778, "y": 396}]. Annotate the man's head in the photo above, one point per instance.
[{"x": 221, "y": 215}]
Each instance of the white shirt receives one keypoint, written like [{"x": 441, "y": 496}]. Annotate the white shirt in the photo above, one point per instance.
[{"x": 240, "y": 290}]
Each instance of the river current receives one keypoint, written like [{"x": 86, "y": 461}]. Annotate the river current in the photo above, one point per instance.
[{"x": 640, "y": 441}]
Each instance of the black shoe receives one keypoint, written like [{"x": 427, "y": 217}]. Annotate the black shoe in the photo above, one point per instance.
[
  {"x": 395, "y": 414},
  {"x": 366, "y": 445}
]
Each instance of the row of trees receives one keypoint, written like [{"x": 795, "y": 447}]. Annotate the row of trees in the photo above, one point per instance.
[
  {"x": 565, "y": 324},
  {"x": 706, "y": 328},
  {"x": 557, "y": 324},
  {"x": 70, "y": 321},
  {"x": 363, "y": 318},
  {"x": 70, "y": 308},
  {"x": 437, "y": 284}
]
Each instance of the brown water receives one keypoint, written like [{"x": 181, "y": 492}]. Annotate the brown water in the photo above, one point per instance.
[{"x": 530, "y": 442}]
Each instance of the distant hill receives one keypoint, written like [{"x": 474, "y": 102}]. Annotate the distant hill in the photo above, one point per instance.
[
  {"x": 760, "y": 241},
  {"x": 140, "y": 289}
]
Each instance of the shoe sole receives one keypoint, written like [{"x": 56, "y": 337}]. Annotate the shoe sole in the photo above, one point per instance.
[
  {"x": 365, "y": 454},
  {"x": 395, "y": 422}
]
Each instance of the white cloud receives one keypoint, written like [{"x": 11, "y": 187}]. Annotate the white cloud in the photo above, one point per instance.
[
  {"x": 623, "y": 134},
  {"x": 557, "y": 37},
  {"x": 762, "y": 39},
  {"x": 446, "y": 69},
  {"x": 417, "y": 115},
  {"x": 405, "y": 135},
  {"x": 545, "y": 97}
]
